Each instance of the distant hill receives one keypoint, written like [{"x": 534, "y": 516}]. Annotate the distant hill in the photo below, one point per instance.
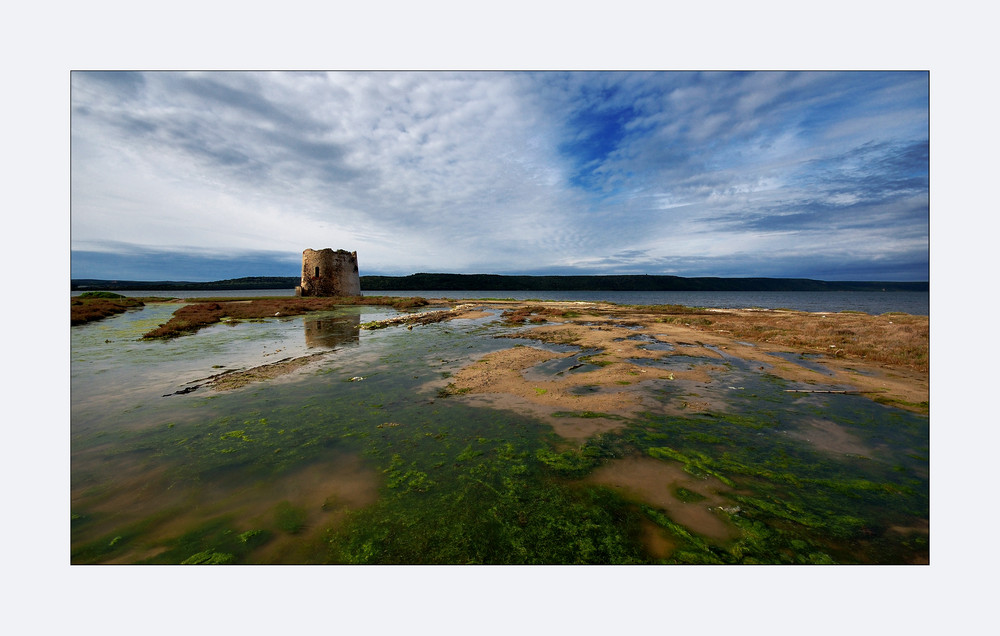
[
  {"x": 249, "y": 282},
  {"x": 495, "y": 282}
]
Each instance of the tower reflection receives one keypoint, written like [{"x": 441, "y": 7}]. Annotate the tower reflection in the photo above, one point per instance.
[{"x": 331, "y": 332}]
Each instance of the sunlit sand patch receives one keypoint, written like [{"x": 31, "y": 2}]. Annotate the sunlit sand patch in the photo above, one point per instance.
[
  {"x": 811, "y": 362},
  {"x": 616, "y": 343},
  {"x": 472, "y": 315},
  {"x": 615, "y": 367},
  {"x": 239, "y": 379},
  {"x": 502, "y": 373},
  {"x": 830, "y": 437},
  {"x": 655, "y": 482},
  {"x": 904, "y": 384}
]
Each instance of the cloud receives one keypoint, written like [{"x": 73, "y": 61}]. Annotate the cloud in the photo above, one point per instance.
[{"x": 505, "y": 172}]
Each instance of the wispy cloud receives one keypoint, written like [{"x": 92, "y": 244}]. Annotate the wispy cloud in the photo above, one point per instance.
[{"x": 686, "y": 173}]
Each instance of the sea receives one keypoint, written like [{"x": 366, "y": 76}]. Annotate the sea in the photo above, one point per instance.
[{"x": 869, "y": 302}]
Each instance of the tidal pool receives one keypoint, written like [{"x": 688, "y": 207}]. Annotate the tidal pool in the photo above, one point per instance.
[{"x": 368, "y": 455}]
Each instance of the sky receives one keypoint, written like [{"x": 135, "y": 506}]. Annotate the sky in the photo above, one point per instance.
[{"x": 210, "y": 175}]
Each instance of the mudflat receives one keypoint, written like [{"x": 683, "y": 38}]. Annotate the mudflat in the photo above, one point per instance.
[{"x": 885, "y": 357}]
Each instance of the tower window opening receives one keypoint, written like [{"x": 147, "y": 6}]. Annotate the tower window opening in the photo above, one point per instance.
[{"x": 317, "y": 272}]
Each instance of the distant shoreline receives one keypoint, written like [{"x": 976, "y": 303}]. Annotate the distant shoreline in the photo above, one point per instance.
[{"x": 495, "y": 282}]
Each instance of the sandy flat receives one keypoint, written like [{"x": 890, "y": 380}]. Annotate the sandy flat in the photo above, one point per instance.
[{"x": 622, "y": 365}]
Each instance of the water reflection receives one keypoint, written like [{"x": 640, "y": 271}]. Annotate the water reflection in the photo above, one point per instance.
[{"x": 332, "y": 331}]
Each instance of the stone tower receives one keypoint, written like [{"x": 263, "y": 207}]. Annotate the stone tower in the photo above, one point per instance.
[{"x": 329, "y": 273}]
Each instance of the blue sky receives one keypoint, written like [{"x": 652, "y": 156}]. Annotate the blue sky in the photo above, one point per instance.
[{"x": 203, "y": 176}]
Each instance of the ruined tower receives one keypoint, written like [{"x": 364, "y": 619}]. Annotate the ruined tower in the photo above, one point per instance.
[{"x": 329, "y": 273}]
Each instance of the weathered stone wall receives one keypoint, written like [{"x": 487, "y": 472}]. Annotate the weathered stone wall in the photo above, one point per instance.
[{"x": 329, "y": 273}]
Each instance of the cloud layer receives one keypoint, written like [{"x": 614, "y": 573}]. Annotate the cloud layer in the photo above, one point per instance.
[{"x": 200, "y": 176}]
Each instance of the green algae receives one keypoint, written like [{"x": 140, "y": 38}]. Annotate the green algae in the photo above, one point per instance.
[
  {"x": 210, "y": 557},
  {"x": 688, "y": 496},
  {"x": 497, "y": 510},
  {"x": 461, "y": 484},
  {"x": 587, "y": 415},
  {"x": 567, "y": 463},
  {"x": 215, "y": 542},
  {"x": 289, "y": 518}
]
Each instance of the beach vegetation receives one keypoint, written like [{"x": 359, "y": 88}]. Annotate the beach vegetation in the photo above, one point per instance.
[
  {"x": 903, "y": 341},
  {"x": 91, "y": 306},
  {"x": 534, "y": 314},
  {"x": 99, "y": 294}
]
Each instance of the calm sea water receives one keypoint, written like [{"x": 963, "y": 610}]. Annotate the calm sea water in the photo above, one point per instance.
[{"x": 915, "y": 303}]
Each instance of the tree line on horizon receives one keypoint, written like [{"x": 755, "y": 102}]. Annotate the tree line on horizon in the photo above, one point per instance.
[{"x": 500, "y": 282}]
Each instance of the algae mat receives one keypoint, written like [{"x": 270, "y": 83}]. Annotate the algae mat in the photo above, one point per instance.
[{"x": 568, "y": 433}]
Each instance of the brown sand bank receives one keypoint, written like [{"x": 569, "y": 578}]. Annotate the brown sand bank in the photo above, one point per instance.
[{"x": 884, "y": 357}]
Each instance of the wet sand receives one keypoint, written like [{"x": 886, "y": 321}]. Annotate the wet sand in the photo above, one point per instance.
[
  {"x": 623, "y": 340},
  {"x": 656, "y": 482},
  {"x": 633, "y": 349}
]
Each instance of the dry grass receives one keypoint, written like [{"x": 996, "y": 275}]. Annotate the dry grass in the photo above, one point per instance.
[
  {"x": 669, "y": 309},
  {"x": 188, "y": 319},
  {"x": 84, "y": 310},
  {"x": 531, "y": 313},
  {"x": 891, "y": 339}
]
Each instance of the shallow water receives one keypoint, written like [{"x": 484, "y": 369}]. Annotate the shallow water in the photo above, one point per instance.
[
  {"x": 571, "y": 364},
  {"x": 870, "y": 302},
  {"x": 651, "y": 343},
  {"x": 112, "y": 369},
  {"x": 363, "y": 457},
  {"x": 807, "y": 361}
]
